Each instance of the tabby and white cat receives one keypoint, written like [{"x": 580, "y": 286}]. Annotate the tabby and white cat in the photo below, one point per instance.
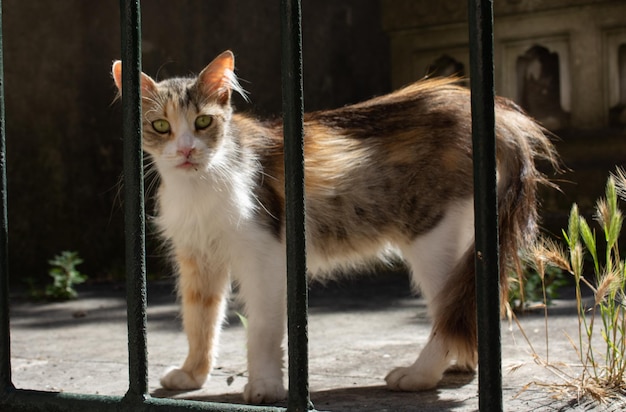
[{"x": 391, "y": 173}]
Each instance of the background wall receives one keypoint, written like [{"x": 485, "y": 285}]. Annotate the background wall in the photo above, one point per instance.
[{"x": 63, "y": 131}]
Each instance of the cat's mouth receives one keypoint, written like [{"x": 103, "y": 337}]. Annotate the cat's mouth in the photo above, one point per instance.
[{"x": 187, "y": 165}]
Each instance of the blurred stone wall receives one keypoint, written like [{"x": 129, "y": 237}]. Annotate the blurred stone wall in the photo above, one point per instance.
[{"x": 64, "y": 145}]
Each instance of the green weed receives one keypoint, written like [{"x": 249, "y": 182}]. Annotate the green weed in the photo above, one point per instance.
[
  {"x": 601, "y": 342},
  {"x": 65, "y": 276}
]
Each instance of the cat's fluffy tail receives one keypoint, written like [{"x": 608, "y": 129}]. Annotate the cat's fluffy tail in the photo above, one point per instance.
[{"x": 521, "y": 144}]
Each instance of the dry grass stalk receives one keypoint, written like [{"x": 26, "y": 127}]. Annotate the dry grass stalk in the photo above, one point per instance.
[{"x": 603, "y": 372}]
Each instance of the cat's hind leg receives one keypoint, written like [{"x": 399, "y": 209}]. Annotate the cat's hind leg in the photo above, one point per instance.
[
  {"x": 452, "y": 342},
  {"x": 202, "y": 289},
  {"x": 443, "y": 268}
]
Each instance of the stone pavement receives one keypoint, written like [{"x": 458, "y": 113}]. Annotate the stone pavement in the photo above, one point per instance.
[{"x": 358, "y": 331}]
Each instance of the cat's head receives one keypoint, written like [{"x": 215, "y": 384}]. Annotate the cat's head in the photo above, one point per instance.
[{"x": 186, "y": 120}]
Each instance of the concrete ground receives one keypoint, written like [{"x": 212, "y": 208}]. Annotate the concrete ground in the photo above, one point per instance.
[{"x": 358, "y": 331}]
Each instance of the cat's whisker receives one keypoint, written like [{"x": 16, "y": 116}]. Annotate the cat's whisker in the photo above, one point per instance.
[
  {"x": 264, "y": 175},
  {"x": 117, "y": 197},
  {"x": 234, "y": 85},
  {"x": 154, "y": 181},
  {"x": 151, "y": 175},
  {"x": 258, "y": 201}
]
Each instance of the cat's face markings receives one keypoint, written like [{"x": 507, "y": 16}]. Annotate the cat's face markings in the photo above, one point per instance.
[
  {"x": 185, "y": 118},
  {"x": 173, "y": 136}
]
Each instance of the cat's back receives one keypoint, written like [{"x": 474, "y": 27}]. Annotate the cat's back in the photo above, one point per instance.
[
  {"x": 419, "y": 134},
  {"x": 431, "y": 103}
]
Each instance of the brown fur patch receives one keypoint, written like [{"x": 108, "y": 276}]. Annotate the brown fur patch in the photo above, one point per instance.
[
  {"x": 194, "y": 297},
  {"x": 385, "y": 168},
  {"x": 454, "y": 310}
]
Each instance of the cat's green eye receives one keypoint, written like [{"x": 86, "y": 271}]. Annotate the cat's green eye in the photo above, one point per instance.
[
  {"x": 161, "y": 126},
  {"x": 203, "y": 121}
]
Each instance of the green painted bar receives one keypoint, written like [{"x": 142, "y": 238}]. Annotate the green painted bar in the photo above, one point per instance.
[
  {"x": 37, "y": 401},
  {"x": 485, "y": 205},
  {"x": 297, "y": 291},
  {"x": 134, "y": 215},
  {"x": 5, "y": 334}
]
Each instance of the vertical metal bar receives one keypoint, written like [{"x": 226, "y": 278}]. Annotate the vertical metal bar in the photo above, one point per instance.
[
  {"x": 5, "y": 336},
  {"x": 297, "y": 293},
  {"x": 485, "y": 205},
  {"x": 133, "y": 198}
]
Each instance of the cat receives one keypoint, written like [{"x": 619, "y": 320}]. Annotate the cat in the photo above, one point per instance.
[{"x": 393, "y": 173}]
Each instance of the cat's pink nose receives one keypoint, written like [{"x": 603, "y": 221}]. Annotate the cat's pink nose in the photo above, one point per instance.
[{"x": 185, "y": 151}]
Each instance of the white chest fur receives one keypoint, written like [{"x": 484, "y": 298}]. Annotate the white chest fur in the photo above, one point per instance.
[{"x": 201, "y": 215}]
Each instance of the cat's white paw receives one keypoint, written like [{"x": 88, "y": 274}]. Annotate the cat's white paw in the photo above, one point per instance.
[
  {"x": 262, "y": 391},
  {"x": 178, "y": 379},
  {"x": 410, "y": 379}
]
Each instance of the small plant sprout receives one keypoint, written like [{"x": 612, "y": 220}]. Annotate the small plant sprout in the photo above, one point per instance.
[{"x": 65, "y": 276}]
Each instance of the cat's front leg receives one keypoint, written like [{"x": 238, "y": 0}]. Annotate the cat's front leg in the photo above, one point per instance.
[
  {"x": 202, "y": 289},
  {"x": 262, "y": 288},
  {"x": 265, "y": 359}
]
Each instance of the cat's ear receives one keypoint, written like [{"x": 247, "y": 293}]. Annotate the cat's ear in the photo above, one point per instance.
[
  {"x": 218, "y": 78},
  {"x": 148, "y": 85}
]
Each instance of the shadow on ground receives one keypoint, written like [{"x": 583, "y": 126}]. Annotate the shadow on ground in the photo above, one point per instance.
[{"x": 362, "y": 398}]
